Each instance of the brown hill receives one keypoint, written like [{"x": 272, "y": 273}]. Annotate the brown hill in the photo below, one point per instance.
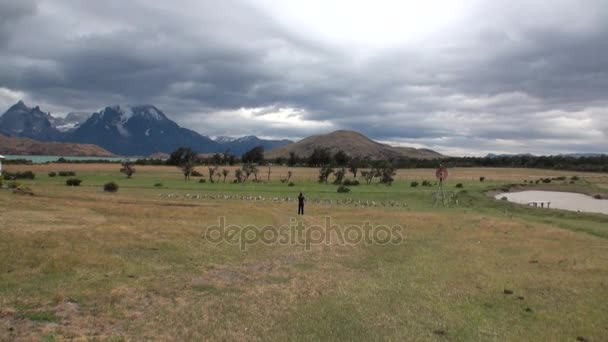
[
  {"x": 353, "y": 143},
  {"x": 26, "y": 146}
]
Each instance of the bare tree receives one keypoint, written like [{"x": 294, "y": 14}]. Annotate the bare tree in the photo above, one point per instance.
[
  {"x": 238, "y": 174},
  {"x": 225, "y": 173},
  {"x": 127, "y": 169},
  {"x": 212, "y": 170}
]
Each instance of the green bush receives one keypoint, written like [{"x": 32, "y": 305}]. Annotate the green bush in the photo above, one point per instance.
[
  {"x": 291, "y": 184},
  {"x": 110, "y": 187},
  {"x": 158, "y": 185},
  {"x": 52, "y": 174},
  {"x": 202, "y": 180},
  {"x": 342, "y": 189},
  {"x": 67, "y": 174},
  {"x": 426, "y": 183},
  {"x": 19, "y": 175},
  {"x": 459, "y": 185},
  {"x": 575, "y": 178},
  {"x": 73, "y": 182},
  {"x": 14, "y": 185},
  {"x": 414, "y": 184},
  {"x": 546, "y": 180},
  {"x": 482, "y": 179}
]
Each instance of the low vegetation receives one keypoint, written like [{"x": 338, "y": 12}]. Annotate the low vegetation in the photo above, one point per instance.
[
  {"x": 83, "y": 265},
  {"x": 73, "y": 182},
  {"x": 110, "y": 187}
]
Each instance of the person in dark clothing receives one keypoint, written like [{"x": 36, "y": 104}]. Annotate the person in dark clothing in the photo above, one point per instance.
[{"x": 301, "y": 204}]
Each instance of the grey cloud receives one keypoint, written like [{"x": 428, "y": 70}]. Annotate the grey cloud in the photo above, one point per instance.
[{"x": 510, "y": 73}]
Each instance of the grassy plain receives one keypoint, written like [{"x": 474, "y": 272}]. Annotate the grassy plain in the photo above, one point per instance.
[{"x": 78, "y": 263}]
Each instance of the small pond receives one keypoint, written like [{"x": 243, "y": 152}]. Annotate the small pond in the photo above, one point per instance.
[{"x": 558, "y": 200}]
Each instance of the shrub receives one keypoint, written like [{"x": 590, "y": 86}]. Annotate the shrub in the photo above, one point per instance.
[
  {"x": 291, "y": 184},
  {"x": 575, "y": 178},
  {"x": 414, "y": 184},
  {"x": 67, "y": 174},
  {"x": 14, "y": 185},
  {"x": 546, "y": 180},
  {"x": 562, "y": 178},
  {"x": 426, "y": 183},
  {"x": 349, "y": 182},
  {"x": 598, "y": 197},
  {"x": 19, "y": 175},
  {"x": 158, "y": 185},
  {"x": 504, "y": 198},
  {"x": 342, "y": 189},
  {"x": 482, "y": 179},
  {"x": 52, "y": 174},
  {"x": 73, "y": 182},
  {"x": 196, "y": 174},
  {"x": 110, "y": 187},
  {"x": 460, "y": 185},
  {"x": 202, "y": 180}
]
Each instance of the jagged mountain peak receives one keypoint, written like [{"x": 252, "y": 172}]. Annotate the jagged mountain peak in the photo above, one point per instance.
[
  {"x": 19, "y": 107},
  {"x": 126, "y": 113}
]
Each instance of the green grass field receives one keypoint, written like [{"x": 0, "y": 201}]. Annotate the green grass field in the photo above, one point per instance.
[{"x": 78, "y": 263}]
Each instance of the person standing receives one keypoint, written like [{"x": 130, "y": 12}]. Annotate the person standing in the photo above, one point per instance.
[{"x": 301, "y": 204}]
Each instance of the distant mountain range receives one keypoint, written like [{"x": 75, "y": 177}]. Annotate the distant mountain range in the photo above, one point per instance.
[
  {"x": 353, "y": 144},
  {"x": 128, "y": 131},
  {"x": 571, "y": 155},
  {"x": 27, "y": 146},
  {"x": 239, "y": 146}
]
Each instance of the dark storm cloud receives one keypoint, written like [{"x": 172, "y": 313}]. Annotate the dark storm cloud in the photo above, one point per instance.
[{"x": 517, "y": 72}]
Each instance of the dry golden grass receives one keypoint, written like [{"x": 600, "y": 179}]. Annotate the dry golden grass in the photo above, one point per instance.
[{"x": 82, "y": 264}]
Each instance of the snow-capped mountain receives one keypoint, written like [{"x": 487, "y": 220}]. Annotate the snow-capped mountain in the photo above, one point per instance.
[
  {"x": 124, "y": 130},
  {"x": 138, "y": 130},
  {"x": 71, "y": 121},
  {"x": 239, "y": 146},
  {"x": 23, "y": 121}
]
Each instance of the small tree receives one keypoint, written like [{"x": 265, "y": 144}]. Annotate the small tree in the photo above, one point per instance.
[
  {"x": 212, "y": 170},
  {"x": 249, "y": 169},
  {"x": 185, "y": 159},
  {"x": 324, "y": 173},
  {"x": 238, "y": 174},
  {"x": 225, "y": 173},
  {"x": 127, "y": 169},
  {"x": 387, "y": 173},
  {"x": 368, "y": 176},
  {"x": 353, "y": 166},
  {"x": 340, "y": 174}
]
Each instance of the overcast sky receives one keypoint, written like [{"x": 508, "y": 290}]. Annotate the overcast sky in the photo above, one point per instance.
[{"x": 463, "y": 77}]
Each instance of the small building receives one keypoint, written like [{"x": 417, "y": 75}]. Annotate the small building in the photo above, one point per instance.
[{"x": 1, "y": 159}]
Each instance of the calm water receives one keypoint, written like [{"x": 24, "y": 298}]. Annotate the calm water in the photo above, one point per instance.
[
  {"x": 46, "y": 159},
  {"x": 559, "y": 200}
]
